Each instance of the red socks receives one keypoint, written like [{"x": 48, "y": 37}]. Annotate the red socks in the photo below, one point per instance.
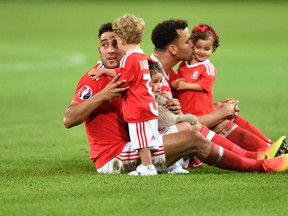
[
  {"x": 242, "y": 137},
  {"x": 226, "y": 159},
  {"x": 241, "y": 122},
  {"x": 227, "y": 144}
]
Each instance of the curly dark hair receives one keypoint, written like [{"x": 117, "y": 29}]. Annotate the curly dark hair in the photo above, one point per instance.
[
  {"x": 204, "y": 32},
  {"x": 107, "y": 27},
  {"x": 166, "y": 33}
]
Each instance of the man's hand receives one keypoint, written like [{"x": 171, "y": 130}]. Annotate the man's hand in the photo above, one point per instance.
[
  {"x": 229, "y": 109},
  {"x": 112, "y": 89},
  {"x": 232, "y": 101},
  {"x": 235, "y": 103},
  {"x": 76, "y": 112},
  {"x": 174, "y": 106}
]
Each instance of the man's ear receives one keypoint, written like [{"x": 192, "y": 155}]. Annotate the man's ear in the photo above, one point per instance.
[{"x": 172, "y": 49}]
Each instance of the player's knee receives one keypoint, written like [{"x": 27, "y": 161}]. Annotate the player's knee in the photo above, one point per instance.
[
  {"x": 184, "y": 126},
  {"x": 200, "y": 143}
]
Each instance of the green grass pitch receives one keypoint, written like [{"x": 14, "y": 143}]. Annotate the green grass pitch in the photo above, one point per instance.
[{"x": 45, "y": 47}]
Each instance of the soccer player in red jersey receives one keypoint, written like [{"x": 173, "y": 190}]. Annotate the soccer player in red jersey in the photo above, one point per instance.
[
  {"x": 97, "y": 104},
  {"x": 138, "y": 103},
  {"x": 177, "y": 47},
  {"x": 194, "y": 88}
]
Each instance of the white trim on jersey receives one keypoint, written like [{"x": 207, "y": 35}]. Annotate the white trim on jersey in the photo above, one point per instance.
[
  {"x": 101, "y": 65},
  {"x": 209, "y": 66},
  {"x": 124, "y": 58}
]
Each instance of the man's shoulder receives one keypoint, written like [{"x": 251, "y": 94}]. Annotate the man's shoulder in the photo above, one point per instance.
[{"x": 99, "y": 65}]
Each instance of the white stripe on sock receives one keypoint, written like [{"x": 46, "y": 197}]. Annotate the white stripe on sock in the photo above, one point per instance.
[{"x": 210, "y": 135}]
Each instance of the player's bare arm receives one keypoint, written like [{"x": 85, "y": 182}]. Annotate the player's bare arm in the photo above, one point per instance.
[
  {"x": 226, "y": 111},
  {"x": 76, "y": 112},
  {"x": 95, "y": 73},
  {"x": 183, "y": 85}
]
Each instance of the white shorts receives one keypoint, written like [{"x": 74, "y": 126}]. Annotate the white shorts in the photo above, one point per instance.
[
  {"x": 144, "y": 134},
  {"x": 128, "y": 160}
]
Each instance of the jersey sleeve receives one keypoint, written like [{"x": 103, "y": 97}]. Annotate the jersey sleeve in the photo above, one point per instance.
[
  {"x": 207, "y": 77},
  {"x": 127, "y": 70},
  {"x": 87, "y": 87}
]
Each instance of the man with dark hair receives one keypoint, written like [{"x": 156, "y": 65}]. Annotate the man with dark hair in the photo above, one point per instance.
[
  {"x": 96, "y": 103},
  {"x": 171, "y": 50}
]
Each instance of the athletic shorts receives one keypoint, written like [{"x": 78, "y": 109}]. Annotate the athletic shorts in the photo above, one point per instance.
[
  {"x": 128, "y": 160},
  {"x": 144, "y": 134}
]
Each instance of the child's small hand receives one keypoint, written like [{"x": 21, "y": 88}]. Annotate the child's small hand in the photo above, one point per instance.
[
  {"x": 179, "y": 84},
  {"x": 94, "y": 73}
]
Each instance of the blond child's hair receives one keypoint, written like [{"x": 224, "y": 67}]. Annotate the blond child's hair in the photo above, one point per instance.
[{"x": 130, "y": 28}]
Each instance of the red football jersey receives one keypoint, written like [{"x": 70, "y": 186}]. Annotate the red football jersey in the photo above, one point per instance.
[
  {"x": 138, "y": 103},
  {"x": 197, "y": 102},
  {"x": 107, "y": 131}
]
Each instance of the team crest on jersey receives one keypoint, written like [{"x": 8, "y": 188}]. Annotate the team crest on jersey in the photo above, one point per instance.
[
  {"x": 85, "y": 92},
  {"x": 195, "y": 75}
]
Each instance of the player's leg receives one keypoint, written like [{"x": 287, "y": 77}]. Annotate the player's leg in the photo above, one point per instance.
[
  {"x": 275, "y": 149},
  {"x": 144, "y": 137},
  {"x": 186, "y": 143},
  {"x": 225, "y": 143},
  {"x": 177, "y": 167},
  {"x": 243, "y": 123},
  {"x": 226, "y": 159},
  {"x": 128, "y": 160},
  {"x": 242, "y": 137}
]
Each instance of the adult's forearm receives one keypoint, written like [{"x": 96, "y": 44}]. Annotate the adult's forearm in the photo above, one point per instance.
[
  {"x": 77, "y": 113},
  {"x": 211, "y": 120},
  {"x": 216, "y": 117}
]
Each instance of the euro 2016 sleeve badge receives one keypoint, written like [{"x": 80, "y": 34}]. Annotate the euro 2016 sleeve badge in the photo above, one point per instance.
[{"x": 85, "y": 92}]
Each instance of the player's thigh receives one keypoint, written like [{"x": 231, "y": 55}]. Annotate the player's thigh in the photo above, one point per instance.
[{"x": 185, "y": 143}]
